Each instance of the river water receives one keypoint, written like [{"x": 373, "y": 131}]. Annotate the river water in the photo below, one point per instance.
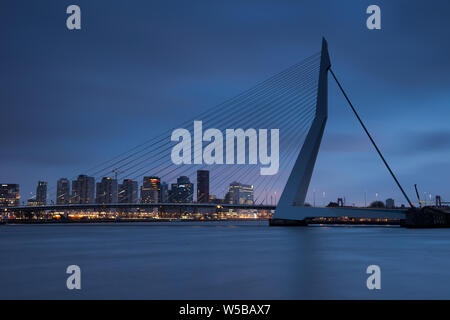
[{"x": 222, "y": 260}]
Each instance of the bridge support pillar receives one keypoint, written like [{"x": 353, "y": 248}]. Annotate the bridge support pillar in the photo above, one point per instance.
[{"x": 292, "y": 200}]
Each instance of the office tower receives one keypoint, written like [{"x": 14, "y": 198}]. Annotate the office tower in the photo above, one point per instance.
[
  {"x": 41, "y": 193},
  {"x": 83, "y": 190},
  {"x": 164, "y": 192},
  {"x": 128, "y": 191},
  {"x": 107, "y": 191},
  {"x": 9, "y": 195},
  {"x": 182, "y": 191},
  {"x": 239, "y": 193},
  {"x": 151, "y": 190},
  {"x": 63, "y": 191},
  {"x": 202, "y": 186},
  {"x": 390, "y": 204}
]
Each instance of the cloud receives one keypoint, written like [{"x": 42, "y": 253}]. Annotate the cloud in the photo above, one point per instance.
[
  {"x": 430, "y": 142},
  {"x": 345, "y": 142}
]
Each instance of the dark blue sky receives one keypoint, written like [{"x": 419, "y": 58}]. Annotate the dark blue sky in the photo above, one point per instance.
[{"x": 72, "y": 99}]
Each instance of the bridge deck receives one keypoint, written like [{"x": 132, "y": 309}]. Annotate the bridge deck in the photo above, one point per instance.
[
  {"x": 295, "y": 213},
  {"x": 62, "y": 207}
]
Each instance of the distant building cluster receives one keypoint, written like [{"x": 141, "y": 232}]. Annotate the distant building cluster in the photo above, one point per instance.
[
  {"x": 9, "y": 195},
  {"x": 85, "y": 190}
]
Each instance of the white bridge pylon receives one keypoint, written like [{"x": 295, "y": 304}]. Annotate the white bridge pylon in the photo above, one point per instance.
[{"x": 291, "y": 206}]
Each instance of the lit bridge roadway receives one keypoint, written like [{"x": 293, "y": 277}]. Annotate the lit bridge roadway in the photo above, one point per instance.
[
  {"x": 106, "y": 206},
  {"x": 374, "y": 213}
]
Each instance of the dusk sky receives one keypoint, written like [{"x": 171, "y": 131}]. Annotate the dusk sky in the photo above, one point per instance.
[{"x": 73, "y": 99}]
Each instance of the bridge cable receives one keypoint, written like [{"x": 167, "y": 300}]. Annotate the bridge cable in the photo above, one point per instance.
[
  {"x": 263, "y": 117},
  {"x": 254, "y": 91},
  {"x": 223, "y": 114},
  {"x": 371, "y": 139},
  {"x": 226, "y": 120}
]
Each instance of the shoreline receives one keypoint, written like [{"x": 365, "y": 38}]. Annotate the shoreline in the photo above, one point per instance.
[
  {"x": 95, "y": 221},
  {"x": 165, "y": 220}
]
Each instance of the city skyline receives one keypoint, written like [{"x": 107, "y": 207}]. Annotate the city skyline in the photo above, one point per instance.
[
  {"x": 85, "y": 190},
  {"x": 109, "y": 190}
]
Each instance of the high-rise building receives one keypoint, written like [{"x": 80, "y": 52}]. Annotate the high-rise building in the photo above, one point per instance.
[
  {"x": 390, "y": 204},
  {"x": 41, "y": 193},
  {"x": 239, "y": 193},
  {"x": 63, "y": 191},
  {"x": 182, "y": 191},
  {"x": 164, "y": 192},
  {"x": 83, "y": 190},
  {"x": 202, "y": 186},
  {"x": 107, "y": 191},
  {"x": 128, "y": 191},
  {"x": 151, "y": 190},
  {"x": 9, "y": 195}
]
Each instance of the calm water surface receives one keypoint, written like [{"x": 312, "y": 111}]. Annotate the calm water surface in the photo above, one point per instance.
[{"x": 216, "y": 260}]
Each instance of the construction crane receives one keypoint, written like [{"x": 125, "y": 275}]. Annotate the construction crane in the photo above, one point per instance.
[
  {"x": 438, "y": 202},
  {"x": 116, "y": 172},
  {"x": 418, "y": 196}
]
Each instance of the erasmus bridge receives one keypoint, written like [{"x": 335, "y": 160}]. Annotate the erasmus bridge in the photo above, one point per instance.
[{"x": 296, "y": 102}]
